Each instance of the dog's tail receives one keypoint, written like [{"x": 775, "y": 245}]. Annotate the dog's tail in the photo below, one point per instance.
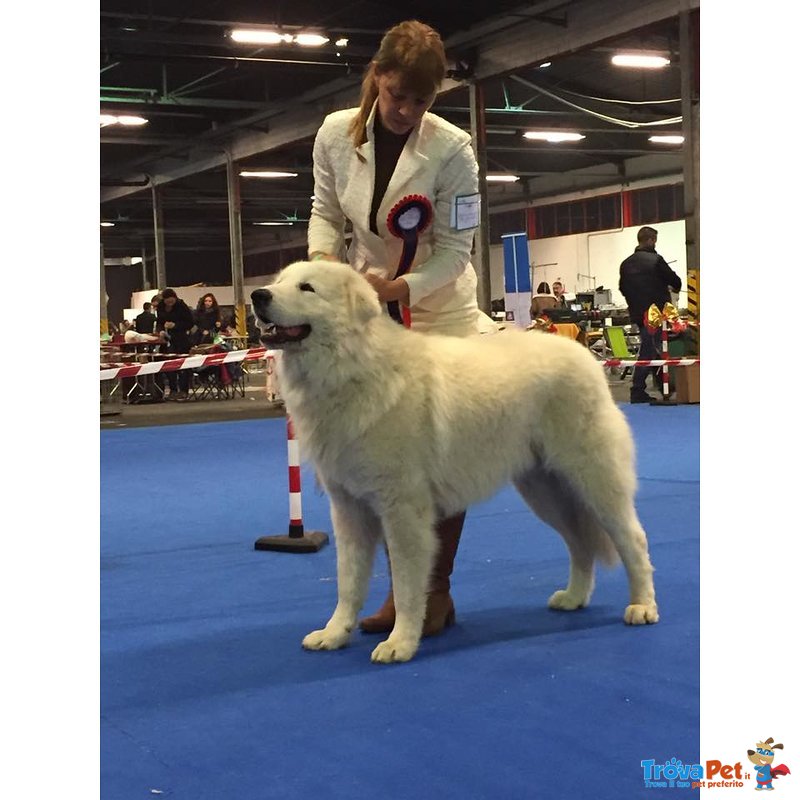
[{"x": 599, "y": 543}]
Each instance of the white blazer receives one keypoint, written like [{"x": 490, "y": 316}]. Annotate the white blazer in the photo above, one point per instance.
[{"x": 438, "y": 162}]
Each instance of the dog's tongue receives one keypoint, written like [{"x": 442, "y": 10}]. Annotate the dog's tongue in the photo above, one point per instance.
[{"x": 295, "y": 330}]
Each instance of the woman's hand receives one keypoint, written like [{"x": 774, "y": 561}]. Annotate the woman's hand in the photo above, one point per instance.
[
  {"x": 169, "y": 325},
  {"x": 396, "y": 289}
]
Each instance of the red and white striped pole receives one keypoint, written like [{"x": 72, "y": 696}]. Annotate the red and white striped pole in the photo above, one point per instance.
[
  {"x": 298, "y": 540},
  {"x": 295, "y": 496},
  {"x": 665, "y": 355}
]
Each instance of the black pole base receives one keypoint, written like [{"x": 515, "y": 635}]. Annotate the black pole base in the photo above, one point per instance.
[
  {"x": 309, "y": 542},
  {"x": 660, "y": 401}
]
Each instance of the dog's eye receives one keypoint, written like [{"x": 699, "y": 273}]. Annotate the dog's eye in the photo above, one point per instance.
[{"x": 306, "y": 287}]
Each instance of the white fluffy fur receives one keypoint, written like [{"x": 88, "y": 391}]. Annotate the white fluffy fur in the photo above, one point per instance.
[{"x": 404, "y": 428}]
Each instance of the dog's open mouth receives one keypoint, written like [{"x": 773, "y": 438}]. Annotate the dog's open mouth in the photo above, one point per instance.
[{"x": 275, "y": 334}]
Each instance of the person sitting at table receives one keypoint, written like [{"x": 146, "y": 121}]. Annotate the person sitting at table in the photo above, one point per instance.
[
  {"x": 558, "y": 293},
  {"x": 173, "y": 324},
  {"x": 146, "y": 321},
  {"x": 542, "y": 300},
  {"x": 208, "y": 319}
]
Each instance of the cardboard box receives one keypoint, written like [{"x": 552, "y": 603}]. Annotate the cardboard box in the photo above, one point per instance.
[{"x": 687, "y": 384}]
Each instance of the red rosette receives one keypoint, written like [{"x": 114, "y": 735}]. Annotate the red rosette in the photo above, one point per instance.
[{"x": 408, "y": 203}]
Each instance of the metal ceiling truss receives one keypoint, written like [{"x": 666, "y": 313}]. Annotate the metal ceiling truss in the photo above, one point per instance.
[{"x": 503, "y": 45}]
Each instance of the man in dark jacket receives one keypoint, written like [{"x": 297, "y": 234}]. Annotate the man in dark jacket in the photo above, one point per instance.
[
  {"x": 175, "y": 320},
  {"x": 644, "y": 279},
  {"x": 146, "y": 321}
]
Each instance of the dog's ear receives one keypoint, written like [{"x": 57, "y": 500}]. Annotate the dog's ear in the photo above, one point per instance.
[{"x": 362, "y": 300}]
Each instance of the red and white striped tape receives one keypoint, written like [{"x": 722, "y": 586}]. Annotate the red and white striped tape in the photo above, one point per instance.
[
  {"x": 183, "y": 362},
  {"x": 650, "y": 362},
  {"x": 110, "y": 372}
]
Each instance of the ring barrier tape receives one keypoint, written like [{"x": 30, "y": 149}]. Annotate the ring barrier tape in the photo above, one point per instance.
[
  {"x": 183, "y": 362},
  {"x": 108, "y": 373}
]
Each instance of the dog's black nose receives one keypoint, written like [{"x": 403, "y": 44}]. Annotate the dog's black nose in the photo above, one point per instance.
[{"x": 261, "y": 296}]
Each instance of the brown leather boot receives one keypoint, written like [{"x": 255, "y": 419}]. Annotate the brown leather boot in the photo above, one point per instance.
[
  {"x": 439, "y": 611},
  {"x": 383, "y": 620}
]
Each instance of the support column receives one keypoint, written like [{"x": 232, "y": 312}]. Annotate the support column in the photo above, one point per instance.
[
  {"x": 103, "y": 295},
  {"x": 145, "y": 282},
  {"x": 237, "y": 260},
  {"x": 689, "y": 22},
  {"x": 481, "y": 260},
  {"x": 158, "y": 230}
]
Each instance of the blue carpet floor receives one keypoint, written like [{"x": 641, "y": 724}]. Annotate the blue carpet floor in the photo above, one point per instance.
[{"x": 206, "y": 692}]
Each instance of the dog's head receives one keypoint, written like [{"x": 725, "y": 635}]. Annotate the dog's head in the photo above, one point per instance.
[
  {"x": 764, "y": 752},
  {"x": 318, "y": 300}
]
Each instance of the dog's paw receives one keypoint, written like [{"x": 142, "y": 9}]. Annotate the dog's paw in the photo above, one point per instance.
[
  {"x": 564, "y": 601},
  {"x": 641, "y": 615},
  {"x": 326, "y": 639},
  {"x": 394, "y": 650}
]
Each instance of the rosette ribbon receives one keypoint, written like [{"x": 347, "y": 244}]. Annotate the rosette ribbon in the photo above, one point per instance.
[
  {"x": 407, "y": 220},
  {"x": 544, "y": 324},
  {"x": 654, "y": 319}
]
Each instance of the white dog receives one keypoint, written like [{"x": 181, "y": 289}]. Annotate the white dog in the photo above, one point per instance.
[{"x": 404, "y": 428}]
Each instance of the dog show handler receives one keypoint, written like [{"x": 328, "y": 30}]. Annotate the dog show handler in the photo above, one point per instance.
[{"x": 368, "y": 159}]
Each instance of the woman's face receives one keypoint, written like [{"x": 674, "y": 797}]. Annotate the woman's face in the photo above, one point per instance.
[
  {"x": 208, "y": 301},
  {"x": 169, "y": 302},
  {"x": 400, "y": 109}
]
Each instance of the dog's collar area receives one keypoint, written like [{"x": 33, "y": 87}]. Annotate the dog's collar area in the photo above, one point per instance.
[{"x": 276, "y": 334}]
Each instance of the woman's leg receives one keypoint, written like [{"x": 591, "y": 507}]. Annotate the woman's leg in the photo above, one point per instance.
[{"x": 440, "y": 612}]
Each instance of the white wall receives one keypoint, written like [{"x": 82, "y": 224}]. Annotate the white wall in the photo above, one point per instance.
[{"x": 596, "y": 254}]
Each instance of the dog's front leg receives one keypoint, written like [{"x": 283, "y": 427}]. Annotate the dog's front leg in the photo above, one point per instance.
[
  {"x": 356, "y": 530},
  {"x": 412, "y": 546}
]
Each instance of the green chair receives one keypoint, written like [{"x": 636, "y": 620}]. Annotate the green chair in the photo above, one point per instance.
[{"x": 618, "y": 345}]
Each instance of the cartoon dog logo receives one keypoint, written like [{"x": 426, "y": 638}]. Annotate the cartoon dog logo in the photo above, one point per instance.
[{"x": 762, "y": 757}]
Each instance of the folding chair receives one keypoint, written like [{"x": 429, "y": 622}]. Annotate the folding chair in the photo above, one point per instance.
[
  {"x": 618, "y": 345},
  {"x": 237, "y": 379},
  {"x": 207, "y": 383}
]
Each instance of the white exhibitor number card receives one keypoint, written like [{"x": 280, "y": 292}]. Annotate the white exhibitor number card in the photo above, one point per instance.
[{"x": 465, "y": 212}]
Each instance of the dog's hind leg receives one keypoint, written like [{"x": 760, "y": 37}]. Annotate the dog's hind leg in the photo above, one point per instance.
[
  {"x": 609, "y": 493},
  {"x": 410, "y": 540},
  {"x": 552, "y": 501},
  {"x": 356, "y": 530}
]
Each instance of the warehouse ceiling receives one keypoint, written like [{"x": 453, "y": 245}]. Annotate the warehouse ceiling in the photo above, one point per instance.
[{"x": 209, "y": 100}]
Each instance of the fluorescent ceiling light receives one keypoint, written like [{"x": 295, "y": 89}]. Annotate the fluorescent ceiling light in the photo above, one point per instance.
[
  {"x": 267, "y": 36},
  {"x": 267, "y": 174},
  {"x": 502, "y": 178},
  {"x": 311, "y": 39},
  {"x": 641, "y": 60},
  {"x": 341, "y": 42},
  {"x": 545, "y": 65},
  {"x": 259, "y": 36},
  {"x": 122, "y": 119},
  {"x": 273, "y": 223},
  {"x": 136, "y": 260},
  {"x": 127, "y": 119},
  {"x": 666, "y": 139},
  {"x": 106, "y": 224},
  {"x": 554, "y": 136}
]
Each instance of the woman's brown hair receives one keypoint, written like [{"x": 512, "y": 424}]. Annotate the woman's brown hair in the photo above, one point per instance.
[{"x": 416, "y": 52}]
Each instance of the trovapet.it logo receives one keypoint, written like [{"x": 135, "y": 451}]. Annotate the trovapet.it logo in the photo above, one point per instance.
[
  {"x": 717, "y": 774},
  {"x": 674, "y": 774}
]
